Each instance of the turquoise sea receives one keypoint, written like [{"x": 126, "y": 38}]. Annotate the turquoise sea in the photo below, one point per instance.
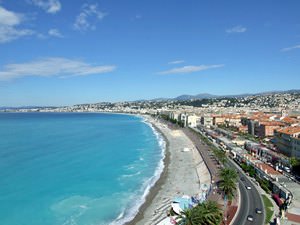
[{"x": 75, "y": 168}]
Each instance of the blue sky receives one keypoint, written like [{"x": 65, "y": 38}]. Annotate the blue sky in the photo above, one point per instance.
[{"x": 60, "y": 52}]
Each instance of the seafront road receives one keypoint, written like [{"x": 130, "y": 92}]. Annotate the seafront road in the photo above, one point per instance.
[{"x": 250, "y": 199}]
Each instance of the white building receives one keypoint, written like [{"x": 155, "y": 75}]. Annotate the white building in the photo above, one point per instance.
[{"x": 193, "y": 120}]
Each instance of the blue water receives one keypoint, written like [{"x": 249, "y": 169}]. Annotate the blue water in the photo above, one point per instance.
[{"x": 75, "y": 168}]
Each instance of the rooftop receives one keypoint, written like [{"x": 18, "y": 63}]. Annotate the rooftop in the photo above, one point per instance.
[
  {"x": 270, "y": 170},
  {"x": 290, "y": 130}
]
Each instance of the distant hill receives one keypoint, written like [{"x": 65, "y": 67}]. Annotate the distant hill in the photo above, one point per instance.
[
  {"x": 199, "y": 96},
  {"x": 26, "y": 107},
  {"x": 209, "y": 96}
]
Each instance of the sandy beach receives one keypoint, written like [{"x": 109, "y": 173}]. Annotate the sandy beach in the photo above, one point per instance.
[{"x": 183, "y": 174}]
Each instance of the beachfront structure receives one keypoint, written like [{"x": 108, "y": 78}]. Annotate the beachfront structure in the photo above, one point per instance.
[
  {"x": 183, "y": 119},
  {"x": 287, "y": 140},
  {"x": 174, "y": 116},
  {"x": 207, "y": 120},
  {"x": 193, "y": 120}
]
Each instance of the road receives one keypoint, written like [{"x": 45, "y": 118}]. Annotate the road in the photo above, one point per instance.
[{"x": 250, "y": 199}]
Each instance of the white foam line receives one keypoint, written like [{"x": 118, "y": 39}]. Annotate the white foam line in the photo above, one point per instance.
[{"x": 129, "y": 214}]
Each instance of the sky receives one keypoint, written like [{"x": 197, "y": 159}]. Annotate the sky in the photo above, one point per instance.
[{"x": 62, "y": 52}]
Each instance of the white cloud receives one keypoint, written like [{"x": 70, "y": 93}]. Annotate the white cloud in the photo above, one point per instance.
[
  {"x": 190, "y": 69},
  {"x": 290, "y": 48},
  {"x": 8, "y": 33},
  {"x": 55, "y": 33},
  {"x": 88, "y": 17},
  {"x": 9, "y": 22},
  {"x": 236, "y": 29},
  {"x": 49, "y": 67},
  {"x": 9, "y": 18},
  {"x": 50, "y": 6},
  {"x": 176, "y": 62}
]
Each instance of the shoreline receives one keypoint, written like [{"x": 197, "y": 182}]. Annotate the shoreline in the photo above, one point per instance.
[
  {"x": 158, "y": 184},
  {"x": 170, "y": 184}
]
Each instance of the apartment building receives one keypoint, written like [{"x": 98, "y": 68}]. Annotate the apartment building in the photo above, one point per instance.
[
  {"x": 193, "y": 120},
  {"x": 207, "y": 120},
  {"x": 267, "y": 128},
  {"x": 287, "y": 140}
]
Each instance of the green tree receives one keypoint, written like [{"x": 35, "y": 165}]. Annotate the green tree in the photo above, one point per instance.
[
  {"x": 207, "y": 213},
  {"x": 220, "y": 155},
  {"x": 227, "y": 183},
  {"x": 229, "y": 173},
  {"x": 188, "y": 217},
  {"x": 294, "y": 161}
]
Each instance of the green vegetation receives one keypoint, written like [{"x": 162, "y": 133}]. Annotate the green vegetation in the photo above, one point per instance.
[
  {"x": 264, "y": 184},
  {"x": 248, "y": 169},
  {"x": 249, "y": 137},
  {"x": 221, "y": 156},
  {"x": 229, "y": 128},
  {"x": 207, "y": 213},
  {"x": 295, "y": 163},
  {"x": 167, "y": 118},
  {"x": 227, "y": 183},
  {"x": 268, "y": 208}
]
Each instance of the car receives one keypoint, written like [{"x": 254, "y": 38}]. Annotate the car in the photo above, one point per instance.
[
  {"x": 250, "y": 218},
  {"x": 248, "y": 187},
  {"x": 258, "y": 211}
]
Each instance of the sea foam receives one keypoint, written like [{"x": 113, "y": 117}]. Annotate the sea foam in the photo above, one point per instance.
[{"x": 130, "y": 212}]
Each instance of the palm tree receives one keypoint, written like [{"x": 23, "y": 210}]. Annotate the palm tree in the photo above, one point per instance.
[
  {"x": 187, "y": 217},
  {"x": 228, "y": 182},
  {"x": 207, "y": 213},
  {"x": 228, "y": 188},
  {"x": 228, "y": 173}
]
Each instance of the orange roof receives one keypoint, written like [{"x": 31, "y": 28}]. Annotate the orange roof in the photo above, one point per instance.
[
  {"x": 290, "y": 120},
  {"x": 260, "y": 117},
  {"x": 272, "y": 123},
  {"x": 232, "y": 116},
  {"x": 290, "y": 130},
  {"x": 270, "y": 170}
]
